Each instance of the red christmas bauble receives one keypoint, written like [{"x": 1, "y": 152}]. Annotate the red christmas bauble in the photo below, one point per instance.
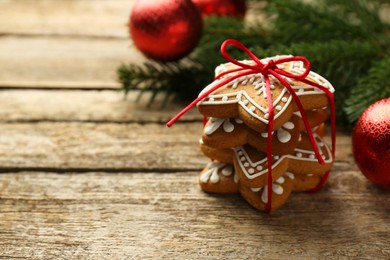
[
  {"x": 236, "y": 8},
  {"x": 165, "y": 30},
  {"x": 371, "y": 143}
]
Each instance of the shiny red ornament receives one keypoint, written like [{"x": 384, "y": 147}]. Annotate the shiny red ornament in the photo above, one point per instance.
[
  {"x": 165, "y": 30},
  {"x": 371, "y": 143},
  {"x": 236, "y": 8}
]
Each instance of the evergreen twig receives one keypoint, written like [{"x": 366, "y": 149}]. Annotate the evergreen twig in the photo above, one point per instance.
[
  {"x": 372, "y": 87},
  {"x": 346, "y": 41}
]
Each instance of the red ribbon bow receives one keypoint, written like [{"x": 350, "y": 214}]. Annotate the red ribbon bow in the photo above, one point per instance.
[{"x": 266, "y": 69}]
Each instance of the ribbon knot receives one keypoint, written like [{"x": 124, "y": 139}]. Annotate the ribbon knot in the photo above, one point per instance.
[
  {"x": 266, "y": 69},
  {"x": 270, "y": 65}
]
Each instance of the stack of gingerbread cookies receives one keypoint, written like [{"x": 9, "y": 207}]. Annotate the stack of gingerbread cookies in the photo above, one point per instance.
[{"x": 235, "y": 136}]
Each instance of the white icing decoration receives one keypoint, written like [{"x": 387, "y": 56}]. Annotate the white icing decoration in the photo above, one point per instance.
[
  {"x": 289, "y": 125},
  {"x": 238, "y": 121},
  {"x": 278, "y": 107},
  {"x": 251, "y": 170},
  {"x": 215, "y": 123},
  {"x": 227, "y": 171},
  {"x": 280, "y": 180},
  {"x": 236, "y": 178},
  {"x": 297, "y": 113},
  {"x": 290, "y": 175},
  {"x": 283, "y": 136},
  {"x": 264, "y": 194},
  {"x": 276, "y": 188},
  {"x": 227, "y": 126},
  {"x": 255, "y": 189},
  {"x": 212, "y": 173}
]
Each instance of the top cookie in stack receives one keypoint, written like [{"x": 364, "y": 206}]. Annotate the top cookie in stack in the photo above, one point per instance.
[{"x": 235, "y": 136}]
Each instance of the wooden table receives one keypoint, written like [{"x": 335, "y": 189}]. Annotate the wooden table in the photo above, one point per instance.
[{"x": 87, "y": 174}]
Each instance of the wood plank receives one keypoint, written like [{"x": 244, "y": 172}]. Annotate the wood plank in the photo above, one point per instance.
[
  {"x": 88, "y": 106},
  {"x": 106, "y": 18},
  {"x": 109, "y": 147},
  {"x": 166, "y": 216},
  {"x": 86, "y": 146},
  {"x": 63, "y": 62}
]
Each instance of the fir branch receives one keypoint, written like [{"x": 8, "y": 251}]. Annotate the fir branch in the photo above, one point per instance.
[
  {"x": 183, "y": 80},
  {"x": 297, "y": 21},
  {"x": 341, "y": 38},
  {"x": 373, "y": 87}
]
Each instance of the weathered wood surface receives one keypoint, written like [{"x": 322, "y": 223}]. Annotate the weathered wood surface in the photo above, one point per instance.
[
  {"x": 87, "y": 174},
  {"x": 109, "y": 146},
  {"x": 166, "y": 216},
  {"x": 107, "y": 18},
  {"x": 23, "y": 106},
  {"x": 129, "y": 147},
  {"x": 67, "y": 62}
]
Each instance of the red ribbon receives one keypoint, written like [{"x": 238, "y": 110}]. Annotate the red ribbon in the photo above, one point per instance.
[{"x": 266, "y": 69}]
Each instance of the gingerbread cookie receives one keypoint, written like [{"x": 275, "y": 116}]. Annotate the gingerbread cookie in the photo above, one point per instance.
[
  {"x": 304, "y": 161},
  {"x": 215, "y": 134},
  {"x": 252, "y": 167},
  {"x": 218, "y": 177},
  {"x": 245, "y": 97},
  {"x": 251, "y": 164},
  {"x": 258, "y": 197},
  {"x": 222, "y": 155}
]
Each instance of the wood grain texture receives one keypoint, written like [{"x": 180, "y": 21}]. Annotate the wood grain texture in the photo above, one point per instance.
[
  {"x": 72, "y": 17},
  {"x": 109, "y": 147},
  {"x": 87, "y": 106},
  {"x": 166, "y": 216},
  {"x": 129, "y": 147},
  {"x": 65, "y": 62}
]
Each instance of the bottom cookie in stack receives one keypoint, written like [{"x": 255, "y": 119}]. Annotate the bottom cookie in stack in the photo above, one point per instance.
[
  {"x": 258, "y": 197},
  {"x": 244, "y": 170}
]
